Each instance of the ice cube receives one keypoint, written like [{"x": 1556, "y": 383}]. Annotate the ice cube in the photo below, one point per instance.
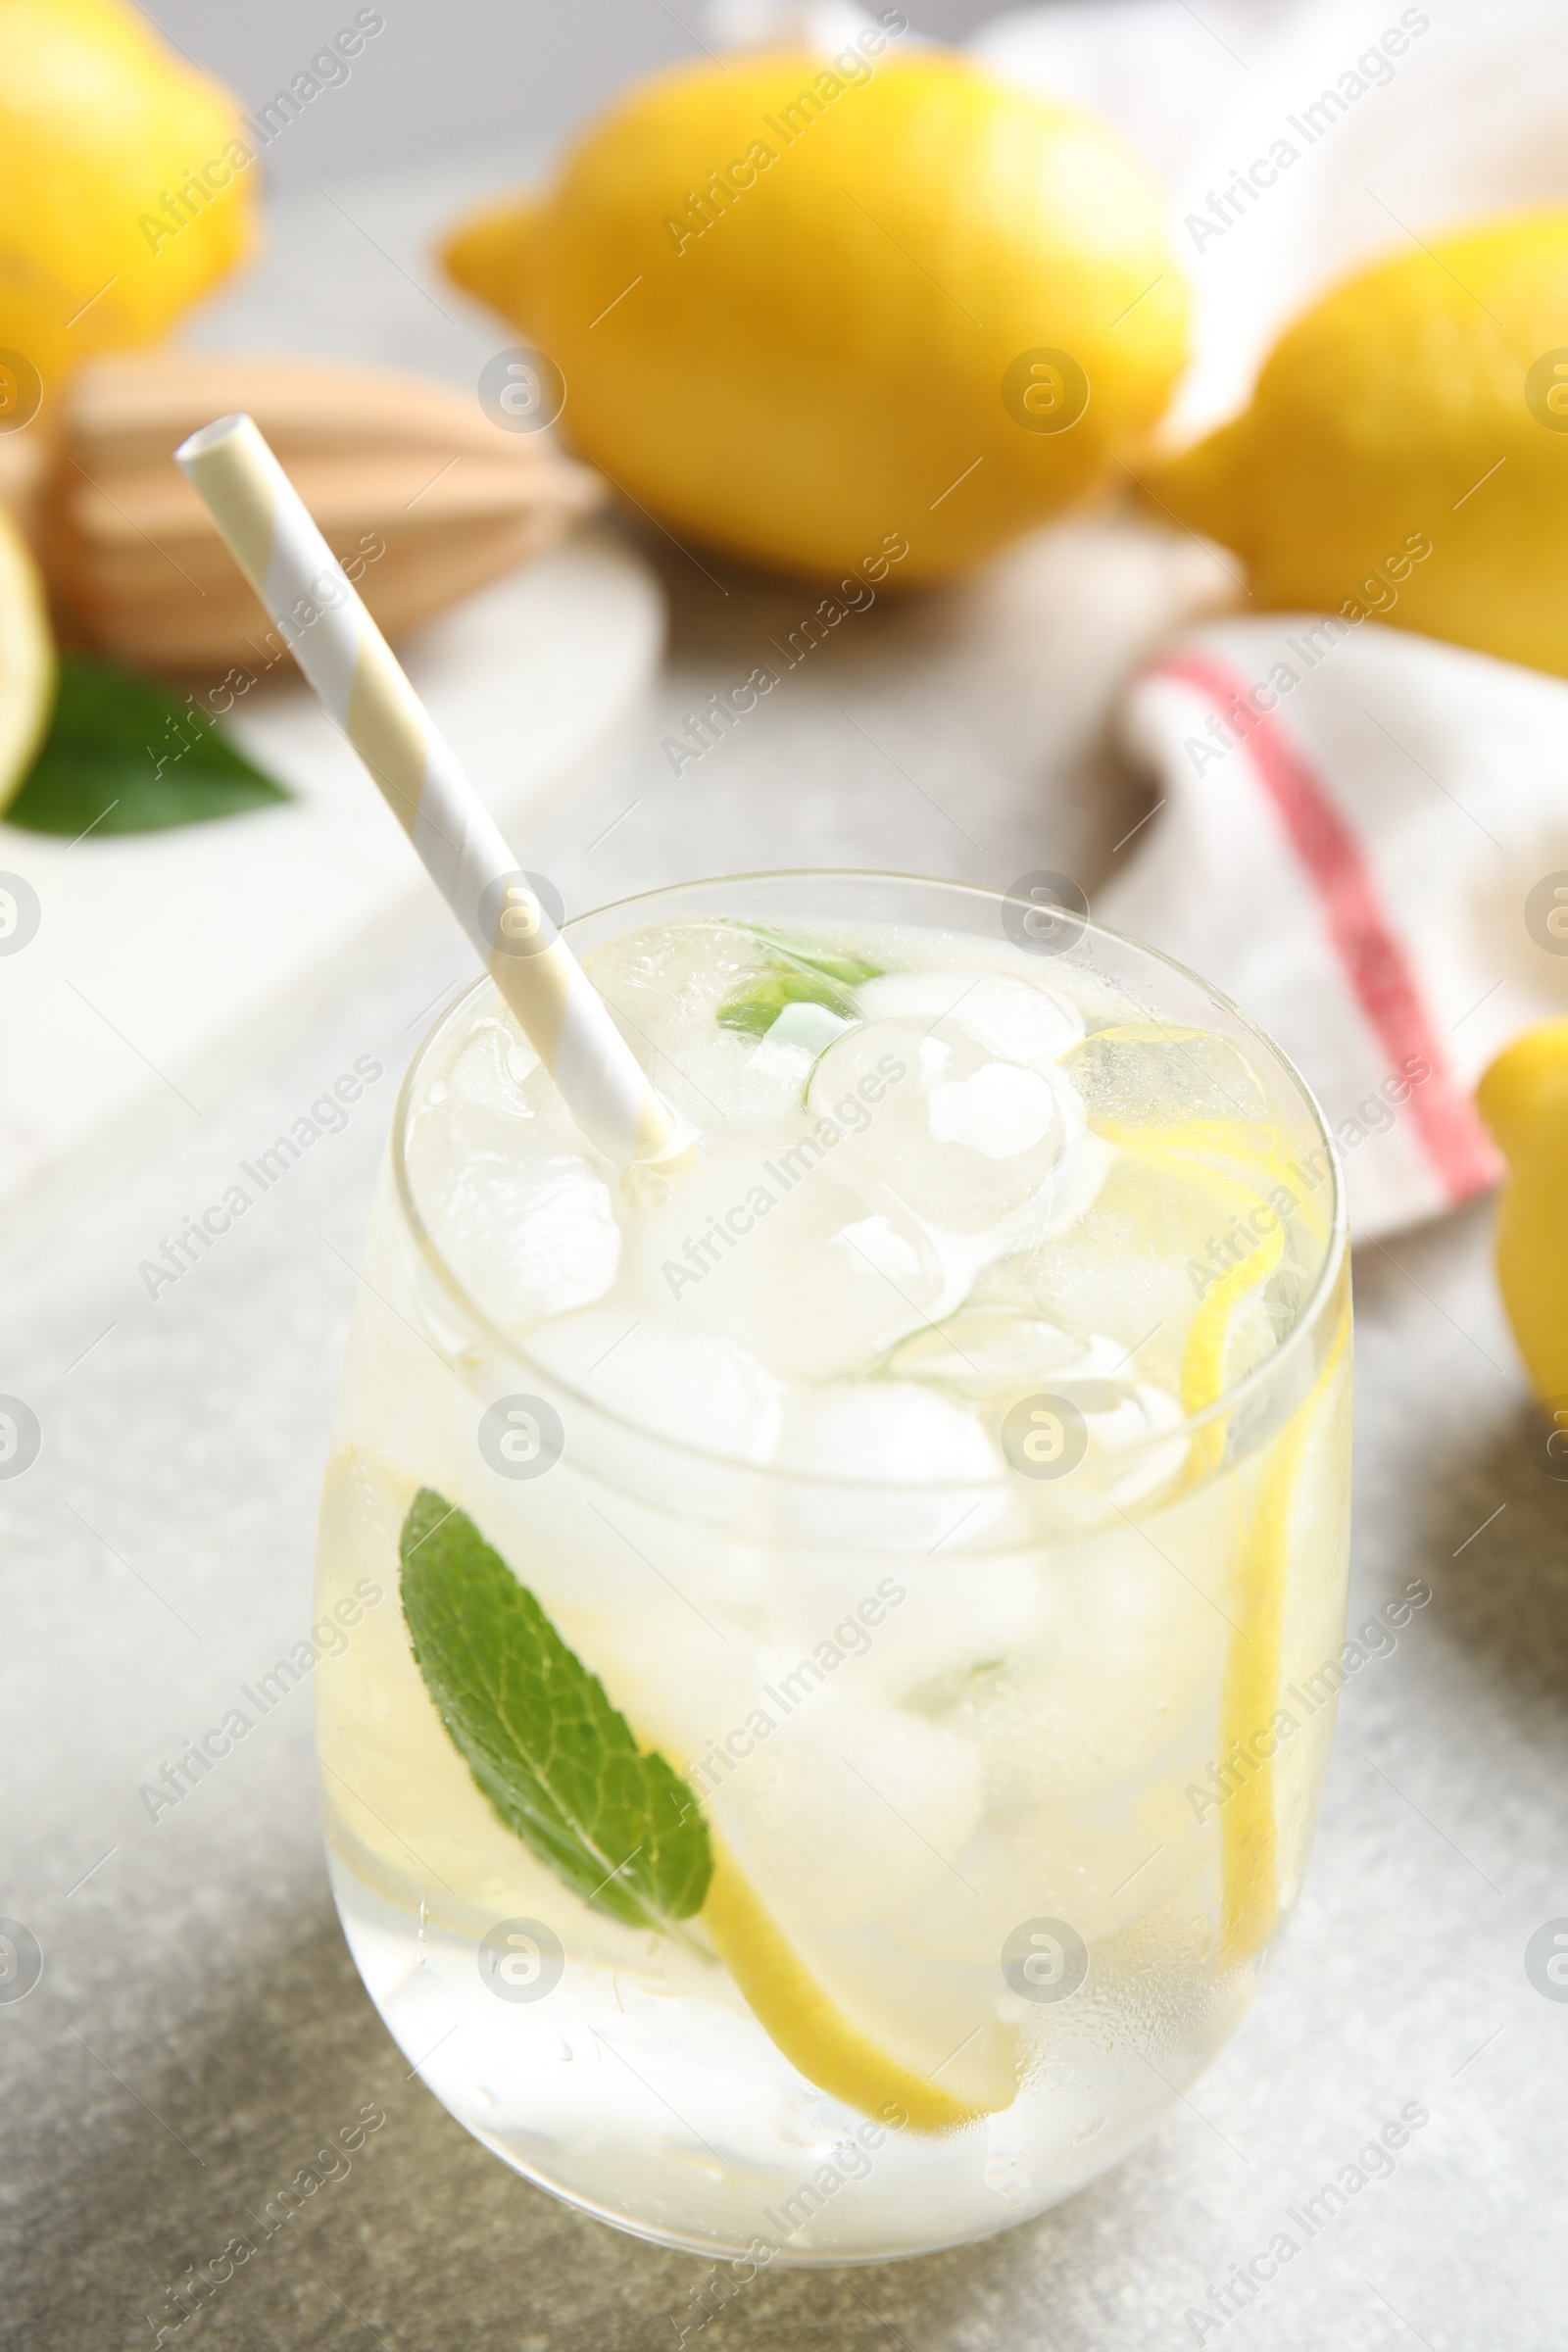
[
  {"x": 784, "y": 1059},
  {"x": 1138, "y": 1261},
  {"x": 724, "y": 1080},
  {"x": 1129, "y": 1659},
  {"x": 849, "y": 1812},
  {"x": 967, "y": 1139},
  {"x": 1098, "y": 1867},
  {"x": 775, "y": 1242},
  {"x": 1120, "y": 1414},
  {"x": 1168, "y": 1080},
  {"x": 700, "y": 1001},
  {"x": 876, "y": 1242},
  {"x": 997, "y": 1356},
  {"x": 1135, "y": 1426},
  {"x": 678, "y": 1665},
  {"x": 886, "y": 1432},
  {"x": 490, "y": 1072},
  {"x": 1022, "y": 1023},
  {"x": 496, "y": 1091},
  {"x": 988, "y": 1351},
  {"x": 476, "y": 1100},
  {"x": 668, "y": 1379},
  {"x": 951, "y": 1614},
  {"x": 1124, "y": 1462},
  {"x": 1090, "y": 1738},
  {"x": 1000, "y": 1110},
  {"x": 515, "y": 1202},
  {"x": 886, "y": 1464},
  {"x": 529, "y": 1239}
]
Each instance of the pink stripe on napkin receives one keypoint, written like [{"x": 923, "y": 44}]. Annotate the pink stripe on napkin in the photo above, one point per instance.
[{"x": 1374, "y": 958}]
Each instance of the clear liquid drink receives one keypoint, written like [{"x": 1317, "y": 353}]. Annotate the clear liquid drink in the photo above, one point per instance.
[{"x": 834, "y": 1695}]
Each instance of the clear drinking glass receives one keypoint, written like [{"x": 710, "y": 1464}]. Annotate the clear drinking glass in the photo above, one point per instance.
[{"x": 979, "y": 1604}]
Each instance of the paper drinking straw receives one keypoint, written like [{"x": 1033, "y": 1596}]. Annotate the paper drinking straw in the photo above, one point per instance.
[{"x": 269, "y": 532}]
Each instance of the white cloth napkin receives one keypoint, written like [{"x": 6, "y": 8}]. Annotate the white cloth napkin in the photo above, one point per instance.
[
  {"x": 1360, "y": 832},
  {"x": 1361, "y": 838}
]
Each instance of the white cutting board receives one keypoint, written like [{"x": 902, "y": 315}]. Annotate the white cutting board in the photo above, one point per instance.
[{"x": 166, "y": 966}]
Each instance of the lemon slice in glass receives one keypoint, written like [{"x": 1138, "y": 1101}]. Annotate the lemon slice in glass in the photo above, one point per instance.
[
  {"x": 1173, "y": 1096},
  {"x": 808, "y": 2027}
]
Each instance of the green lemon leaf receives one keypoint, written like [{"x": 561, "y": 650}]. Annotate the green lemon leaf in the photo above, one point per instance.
[
  {"x": 559, "y": 1764},
  {"x": 123, "y": 756}
]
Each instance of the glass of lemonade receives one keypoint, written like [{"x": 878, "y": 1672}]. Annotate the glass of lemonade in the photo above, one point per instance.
[{"x": 832, "y": 1710}]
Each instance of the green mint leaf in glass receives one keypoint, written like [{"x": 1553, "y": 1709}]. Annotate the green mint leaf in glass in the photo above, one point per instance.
[
  {"x": 798, "y": 972},
  {"x": 123, "y": 756},
  {"x": 558, "y": 1763},
  {"x": 847, "y": 970},
  {"x": 754, "y": 1008}
]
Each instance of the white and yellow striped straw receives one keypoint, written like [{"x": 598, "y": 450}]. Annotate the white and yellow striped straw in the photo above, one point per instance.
[{"x": 348, "y": 662}]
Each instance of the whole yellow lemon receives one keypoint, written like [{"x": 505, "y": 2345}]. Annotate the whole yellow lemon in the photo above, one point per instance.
[
  {"x": 121, "y": 198},
  {"x": 1405, "y": 454},
  {"x": 1524, "y": 1099},
  {"x": 810, "y": 309}
]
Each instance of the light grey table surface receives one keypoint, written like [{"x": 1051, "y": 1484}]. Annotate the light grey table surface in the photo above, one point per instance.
[{"x": 199, "y": 2030}]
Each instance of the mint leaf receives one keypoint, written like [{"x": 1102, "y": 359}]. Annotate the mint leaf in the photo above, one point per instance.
[
  {"x": 797, "y": 972},
  {"x": 558, "y": 1763},
  {"x": 754, "y": 1008},
  {"x": 847, "y": 970},
  {"x": 123, "y": 756}
]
